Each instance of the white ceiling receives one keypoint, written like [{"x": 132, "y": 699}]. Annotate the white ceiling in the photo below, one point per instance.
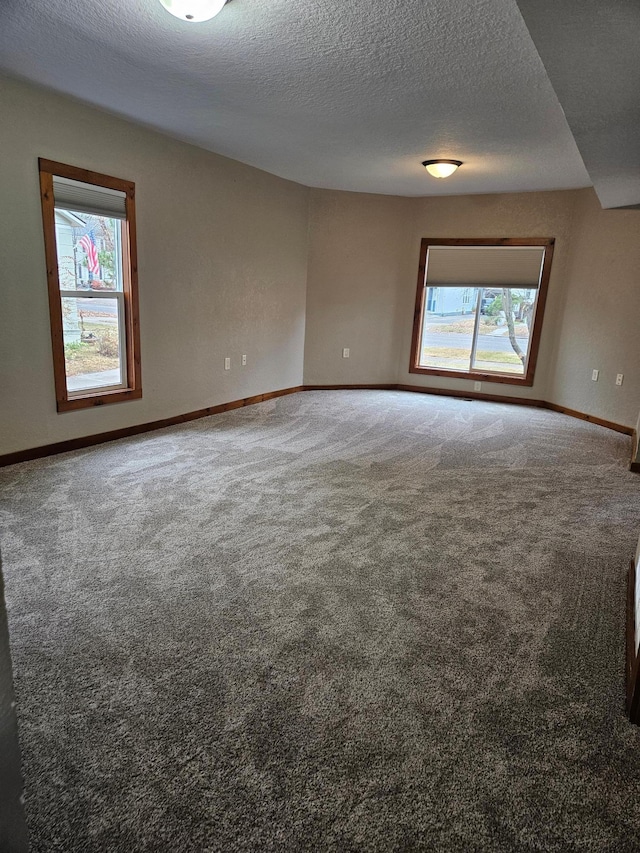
[
  {"x": 591, "y": 50},
  {"x": 345, "y": 95}
]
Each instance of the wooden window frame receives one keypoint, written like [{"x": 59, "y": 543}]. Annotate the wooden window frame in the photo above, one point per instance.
[
  {"x": 66, "y": 402},
  {"x": 418, "y": 315}
]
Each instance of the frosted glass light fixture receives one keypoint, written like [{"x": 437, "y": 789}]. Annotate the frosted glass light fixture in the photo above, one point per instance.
[
  {"x": 441, "y": 168},
  {"x": 193, "y": 10}
]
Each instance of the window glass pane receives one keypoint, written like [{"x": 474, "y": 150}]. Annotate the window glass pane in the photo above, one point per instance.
[
  {"x": 478, "y": 307},
  {"x": 89, "y": 251},
  {"x": 447, "y": 331},
  {"x": 506, "y": 317},
  {"x": 92, "y": 353},
  {"x": 89, "y": 235}
]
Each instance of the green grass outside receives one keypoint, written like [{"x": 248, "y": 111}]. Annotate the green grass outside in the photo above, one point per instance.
[{"x": 458, "y": 359}]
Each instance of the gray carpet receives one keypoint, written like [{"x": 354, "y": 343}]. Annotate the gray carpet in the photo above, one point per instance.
[{"x": 338, "y": 621}]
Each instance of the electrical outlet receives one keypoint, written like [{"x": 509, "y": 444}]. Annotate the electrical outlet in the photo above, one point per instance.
[
  {"x": 477, "y": 386},
  {"x": 595, "y": 374},
  {"x": 227, "y": 364},
  {"x": 345, "y": 352},
  {"x": 619, "y": 378},
  {"x": 244, "y": 360}
]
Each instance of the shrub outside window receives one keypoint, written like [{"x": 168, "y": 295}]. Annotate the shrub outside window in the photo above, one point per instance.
[
  {"x": 479, "y": 308},
  {"x": 89, "y": 234}
]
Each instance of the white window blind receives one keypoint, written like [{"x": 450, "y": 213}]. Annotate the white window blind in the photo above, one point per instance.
[
  {"x": 478, "y": 266},
  {"x": 88, "y": 198}
]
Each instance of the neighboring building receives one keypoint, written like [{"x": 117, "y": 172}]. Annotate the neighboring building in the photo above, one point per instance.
[
  {"x": 70, "y": 269},
  {"x": 451, "y": 300}
]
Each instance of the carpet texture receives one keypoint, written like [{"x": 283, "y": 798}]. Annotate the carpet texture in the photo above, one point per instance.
[{"x": 336, "y": 621}]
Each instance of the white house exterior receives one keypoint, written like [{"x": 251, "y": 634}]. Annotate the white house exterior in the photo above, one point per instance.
[
  {"x": 70, "y": 268},
  {"x": 451, "y": 300}
]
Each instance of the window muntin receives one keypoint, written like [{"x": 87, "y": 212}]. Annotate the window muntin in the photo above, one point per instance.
[
  {"x": 89, "y": 227},
  {"x": 479, "y": 308}
]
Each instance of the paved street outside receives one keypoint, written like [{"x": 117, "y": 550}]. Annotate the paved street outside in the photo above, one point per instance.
[
  {"x": 496, "y": 341},
  {"x": 87, "y": 381},
  {"x": 108, "y": 307},
  {"x": 461, "y": 341},
  {"x": 456, "y": 346}
]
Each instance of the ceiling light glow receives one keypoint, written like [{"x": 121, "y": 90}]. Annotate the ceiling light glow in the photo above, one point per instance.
[
  {"x": 193, "y": 11},
  {"x": 441, "y": 168}
]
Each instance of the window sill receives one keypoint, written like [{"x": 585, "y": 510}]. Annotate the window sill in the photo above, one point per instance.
[
  {"x": 92, "y": 399},
  {"x": 478, "y": 376}
]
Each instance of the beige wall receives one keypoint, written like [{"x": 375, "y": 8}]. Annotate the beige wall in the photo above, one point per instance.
[
  {"x": 363, "y": 266},
  {"x": 359, "y": 247},
  {"x": 362, "y": 278},
  {"x": 233, "y": 260},
  {"x": 222, "y": 251},
  {"x": 600, "y": 324},
  {"x": 547, "y": 214}
]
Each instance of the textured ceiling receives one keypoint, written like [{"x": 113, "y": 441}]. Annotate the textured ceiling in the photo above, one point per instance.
[
  {"x": 342, "y": 95},
  {"x": 591, "y": 51}
]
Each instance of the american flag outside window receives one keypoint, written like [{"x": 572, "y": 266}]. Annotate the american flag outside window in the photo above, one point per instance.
[{"x": 88, "y": 243}]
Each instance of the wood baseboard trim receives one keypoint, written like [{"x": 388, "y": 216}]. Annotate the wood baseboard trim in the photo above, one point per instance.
[
  {"x": 490, "y": 398},
  {"x": 136, "y": 429},
  {"x": 421, "y": 389},
  {"x": 383, "y": 387},
  {"x": 473, "y": 395},
  {"x": 591, "y": 418}
]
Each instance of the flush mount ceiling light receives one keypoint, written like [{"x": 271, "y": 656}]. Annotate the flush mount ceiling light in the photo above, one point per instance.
[
  {"x": 193, "y": 11},
  {"x": 441, "y": 168}
]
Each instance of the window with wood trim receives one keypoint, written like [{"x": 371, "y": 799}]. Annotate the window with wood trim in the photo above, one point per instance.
[
  {"x": 479, "y": 308},
  {"x": 90, "y": 247}
]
